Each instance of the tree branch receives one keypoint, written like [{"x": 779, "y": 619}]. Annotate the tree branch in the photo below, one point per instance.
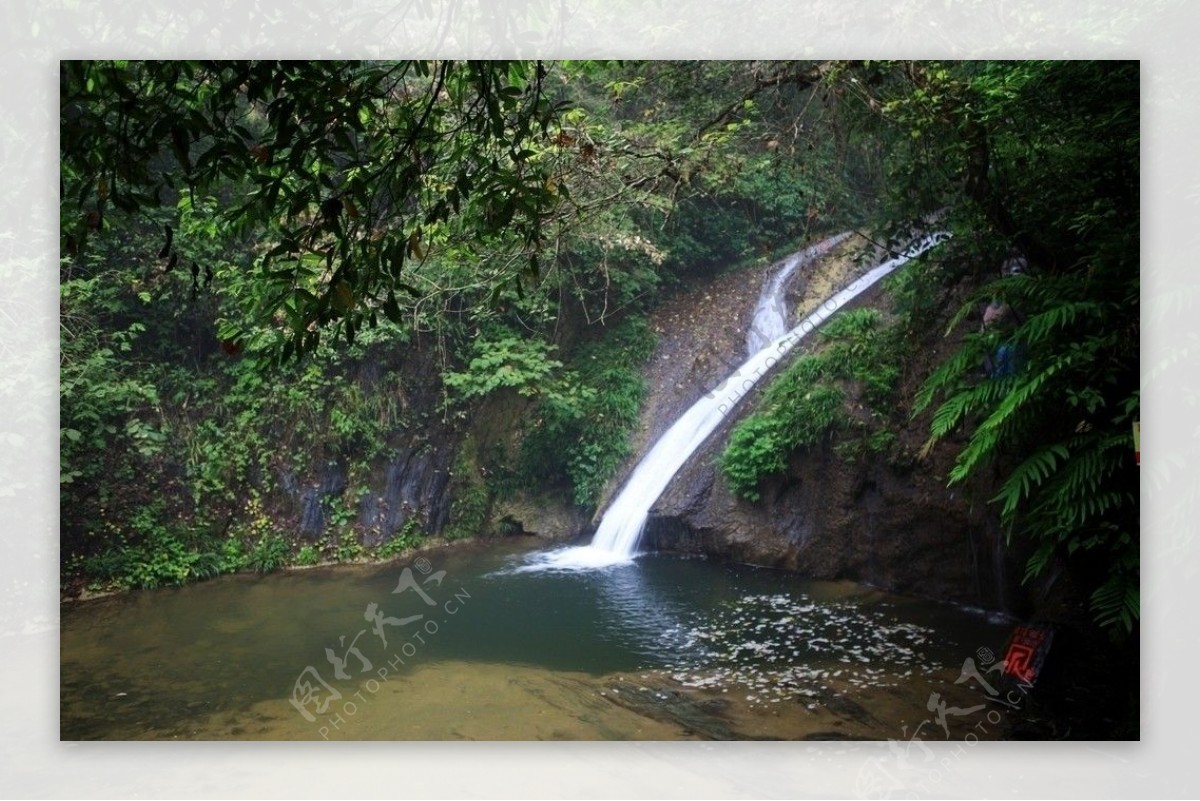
[{"x": 809, "y": 77}]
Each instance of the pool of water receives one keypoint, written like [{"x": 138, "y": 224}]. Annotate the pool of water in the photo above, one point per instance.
[{"x": 462, "y": 643}]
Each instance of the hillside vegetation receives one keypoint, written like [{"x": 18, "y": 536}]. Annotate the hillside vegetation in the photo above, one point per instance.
[{"x": 324, "y": 311}]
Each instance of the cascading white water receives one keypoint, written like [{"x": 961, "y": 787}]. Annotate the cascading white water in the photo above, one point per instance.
[
  {"x": 616, "y": 539},
  {"x": 770, "y": 313}
]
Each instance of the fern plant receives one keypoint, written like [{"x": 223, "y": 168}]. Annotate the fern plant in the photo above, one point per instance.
[
  {"x": 1060, "y": 429},
  {"x": 1040, "y": 157}
]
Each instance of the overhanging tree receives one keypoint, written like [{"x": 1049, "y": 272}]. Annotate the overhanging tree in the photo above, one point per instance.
[{"x": 345, "y": 172}]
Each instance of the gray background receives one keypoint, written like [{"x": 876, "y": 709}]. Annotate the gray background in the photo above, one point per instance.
[{"x": 37, "y": 34}]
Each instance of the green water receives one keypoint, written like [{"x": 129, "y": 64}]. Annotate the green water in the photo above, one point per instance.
[{"x": 495, "y": 654}]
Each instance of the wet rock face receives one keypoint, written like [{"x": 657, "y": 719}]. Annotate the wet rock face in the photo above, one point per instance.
[
  {"x": 891, "y": 525},
  {"x": 377, "y": 499},
  {"x": 413, "y": 483},
  {"x": 896, "y": 529},
  {"x": 540, "y": 516}
]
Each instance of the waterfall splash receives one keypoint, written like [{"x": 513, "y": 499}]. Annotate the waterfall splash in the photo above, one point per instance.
[
  {"x": 770, "y": 313},
  {"x": 616, "y": 539}
]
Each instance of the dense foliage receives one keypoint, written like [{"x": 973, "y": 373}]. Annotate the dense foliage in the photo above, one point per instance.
[
  {"x": 583, "y": 435},
  {"x": 1033, "y": 165},
  {"x": 344, "y": 174},
  {"x": 270, "y": 268},
  {"x": 806, "y": 405},
  {"x": 1049, "y": 155},
  {"x": 499, "y": 226},
  {"x": 174, "y": 448}
]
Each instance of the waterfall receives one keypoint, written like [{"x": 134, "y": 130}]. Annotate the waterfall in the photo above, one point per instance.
[
  {"x": 616, "y": 539},
  {"x": 770, "y": 313}
]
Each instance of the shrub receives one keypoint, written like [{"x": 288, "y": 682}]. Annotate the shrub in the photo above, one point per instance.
[
  {"x": 348, "y": 549},
  {"x": 803, "y": 406},
  {"x": 307, "y": 556},
  {"x": 502, "y": 358},
  {"x": 268, "y": 555},
  {"x": 408, "y": 537},
  {"x": 584, "y": 434}
]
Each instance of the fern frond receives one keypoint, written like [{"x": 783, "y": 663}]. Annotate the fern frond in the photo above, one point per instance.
[
  {"x": 1041, "y": 327},
  {"x": 1117, "y": 602},
  {"x": 1038, "y": 562},
  {"x": 971, "y": 304},
  {"x": 1023, "y": 392},
  {"x": 946, "y": 377},
  {"x": 1029, "y": 474}
]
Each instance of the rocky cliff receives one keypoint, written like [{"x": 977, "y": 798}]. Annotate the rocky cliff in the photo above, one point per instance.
[{"x": 887, "y": 520}]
